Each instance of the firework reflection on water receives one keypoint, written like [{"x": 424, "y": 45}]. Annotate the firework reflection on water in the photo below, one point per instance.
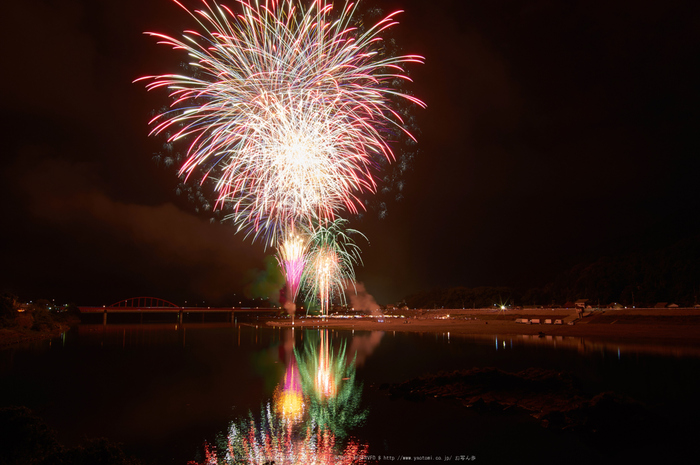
[{"x": 309, "y": 418}]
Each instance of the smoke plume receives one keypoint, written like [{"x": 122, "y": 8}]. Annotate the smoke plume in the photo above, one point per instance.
[{"x": 362, "y": 300}]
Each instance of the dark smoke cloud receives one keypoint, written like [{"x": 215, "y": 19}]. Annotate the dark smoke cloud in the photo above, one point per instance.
[
  {"x": 267, "y": 283},
  {"x": 153, "y": 246}
]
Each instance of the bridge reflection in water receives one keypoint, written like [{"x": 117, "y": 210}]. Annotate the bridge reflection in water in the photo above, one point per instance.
[
  {"x": 153, "y": 305},
  {"x": 309, "y": 418}
]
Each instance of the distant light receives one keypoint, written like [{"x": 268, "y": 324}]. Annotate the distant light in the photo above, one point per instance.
[{"x": 503, "y": 307}]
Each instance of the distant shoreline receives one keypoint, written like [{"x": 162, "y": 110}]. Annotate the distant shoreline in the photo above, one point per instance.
[
  {"x": 672, "y": 325},
  {"x": 13, "y": 336}
]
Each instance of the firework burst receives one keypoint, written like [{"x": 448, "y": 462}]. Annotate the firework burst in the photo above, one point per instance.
[
  {"x": 288, "y": 108},
  {"x": 330, "y": 263}
]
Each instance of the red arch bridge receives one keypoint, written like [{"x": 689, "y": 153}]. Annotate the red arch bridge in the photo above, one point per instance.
[{"x": 141, "y": 305}]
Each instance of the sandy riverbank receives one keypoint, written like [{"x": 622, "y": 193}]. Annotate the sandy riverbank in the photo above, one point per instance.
[{"x": 675, "y": 325}]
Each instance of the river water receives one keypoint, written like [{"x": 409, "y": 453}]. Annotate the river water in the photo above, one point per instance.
[{"x": 164, "y": 390}]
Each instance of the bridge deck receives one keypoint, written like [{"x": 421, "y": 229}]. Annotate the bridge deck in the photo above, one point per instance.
[{"x": 173, "y": 309}]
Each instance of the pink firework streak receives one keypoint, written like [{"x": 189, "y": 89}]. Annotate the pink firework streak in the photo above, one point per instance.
[{"x": 291, "y": 255}]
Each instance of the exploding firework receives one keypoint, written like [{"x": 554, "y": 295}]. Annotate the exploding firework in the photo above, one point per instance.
[
  {"x": 330, "y": 263},
  {"x": 287, "y": 107}
]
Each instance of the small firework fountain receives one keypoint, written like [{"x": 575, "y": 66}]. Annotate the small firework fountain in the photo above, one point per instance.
[
  {"x": 291, "y": 255},
  {"x": 331, "y": 259}
]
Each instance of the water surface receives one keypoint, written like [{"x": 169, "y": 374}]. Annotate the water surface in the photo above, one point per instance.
[{"x": 164, "y": 389}]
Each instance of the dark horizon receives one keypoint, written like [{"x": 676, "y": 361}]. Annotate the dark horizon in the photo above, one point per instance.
[{"x": 555, "y": 134}]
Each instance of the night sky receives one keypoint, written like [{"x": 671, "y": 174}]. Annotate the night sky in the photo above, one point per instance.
[{"x": 556, "y": 132}]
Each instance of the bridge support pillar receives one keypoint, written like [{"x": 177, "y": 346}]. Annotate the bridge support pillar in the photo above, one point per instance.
[
  {"x": 180, "y": 316},
  {"x": 231, "y": 317},
  {"x": 104, "y": 318}
]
